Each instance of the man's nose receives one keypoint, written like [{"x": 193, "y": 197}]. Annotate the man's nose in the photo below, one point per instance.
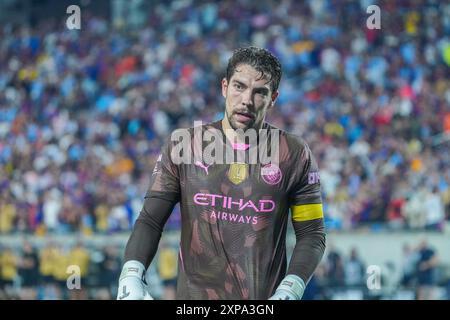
[{"x": 247, "y": 97}]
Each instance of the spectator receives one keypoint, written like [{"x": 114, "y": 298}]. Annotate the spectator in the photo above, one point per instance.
[
  {"x": 408, "y": 266},
  {"x": 354, "y": 270},
  {"x": 435, "y": 214},
  {"x": 414, "y": 210},
  {"x": 28, "y": 271},
  {"x": 79, "y": 256},
  {"x": 335, "y": 268},
  {"x": 167, "y": 270},
  {"x": 109, "y": 271},
  {"x": 8, "y": 271},
  {"x": 8, "y": 212},
  {"x": 426, "y": 271},
  {"x": 59, "y": 272},
  {"x": 47, "y": 264}
]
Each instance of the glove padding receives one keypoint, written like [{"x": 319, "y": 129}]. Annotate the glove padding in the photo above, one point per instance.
[
  {"x": 290, "y": 288},
  {"x": 131, "y": 284}
]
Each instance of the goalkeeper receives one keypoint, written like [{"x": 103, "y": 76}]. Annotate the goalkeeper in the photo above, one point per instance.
[{"x": 234, "y": 215}]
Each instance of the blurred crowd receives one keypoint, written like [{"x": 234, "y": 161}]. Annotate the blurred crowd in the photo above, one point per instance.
[
  {"x": 83, "y": 113},
  {"x": 47, "y": 270},
  {"x": 56, "y": 271},
  {"x": 50, "y": 270},
  {"x": 420, "y": 276}
]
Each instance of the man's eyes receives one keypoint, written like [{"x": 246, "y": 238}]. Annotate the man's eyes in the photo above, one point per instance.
[
  {"x": 261, "y": 92},
  {"x": 238, "y": 86}
]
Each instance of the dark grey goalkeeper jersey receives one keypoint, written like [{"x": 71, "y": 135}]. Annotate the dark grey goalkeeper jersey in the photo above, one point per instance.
[{"x": 234, "y": 217}]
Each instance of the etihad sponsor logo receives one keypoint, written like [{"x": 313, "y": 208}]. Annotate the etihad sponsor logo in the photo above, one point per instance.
[
  {"x": 201, "y": 165},
  {"x": 216, "y": 200},
  {"x": 233, "y": 217},
  {"x": 313, "y": 177}
]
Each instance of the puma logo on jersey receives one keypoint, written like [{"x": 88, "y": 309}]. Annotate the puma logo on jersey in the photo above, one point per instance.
[
  {"x": 157, "y": 165},
  {"x": 201, "y": 165}
]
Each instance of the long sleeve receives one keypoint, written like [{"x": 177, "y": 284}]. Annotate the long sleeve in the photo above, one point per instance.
[
  {"x": 144, "y": 239},
  {"x": 309, "y": 248}
]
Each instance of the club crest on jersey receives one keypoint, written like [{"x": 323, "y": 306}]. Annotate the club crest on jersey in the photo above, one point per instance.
[
  {"x": 238, "y": 172},
  {"x": 271, "y": 174}
]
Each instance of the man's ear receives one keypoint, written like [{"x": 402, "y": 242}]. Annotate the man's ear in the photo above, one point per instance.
[
  {"x": 224, "y": 87},
  {"x": 274, "y": 98}
]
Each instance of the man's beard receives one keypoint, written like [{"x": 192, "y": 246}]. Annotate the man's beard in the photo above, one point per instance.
[{"x": 234, "y": 123}]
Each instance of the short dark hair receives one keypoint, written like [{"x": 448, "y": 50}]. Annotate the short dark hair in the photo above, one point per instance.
[{"x": 260, "y": 59}]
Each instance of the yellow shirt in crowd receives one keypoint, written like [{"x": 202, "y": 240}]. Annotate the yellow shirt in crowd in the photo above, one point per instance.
[
  {"x": 47, "y": 261},
  {"x": 167, "y": 263},
  {"x": 8, "y": 265},
  {"x": 79, "y": 257},
  {"x": 7, "y": 215}
]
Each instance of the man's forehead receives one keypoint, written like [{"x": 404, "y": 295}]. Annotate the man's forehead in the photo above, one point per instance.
[{"x": 245, "y": 72}]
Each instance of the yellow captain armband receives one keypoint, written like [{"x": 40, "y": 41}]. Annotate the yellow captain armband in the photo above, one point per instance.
[{"x": 305, "y": 212}]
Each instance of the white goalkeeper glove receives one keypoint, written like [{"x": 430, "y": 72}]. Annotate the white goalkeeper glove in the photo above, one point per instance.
[
  {"x": 290, "y": 288},
  {"x": 131, "y": 282}
]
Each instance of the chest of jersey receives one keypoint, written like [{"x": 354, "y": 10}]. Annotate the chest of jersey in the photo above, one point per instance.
[
  {"x": 235, "y": 191},
  {"x": 235, "y": 179}
]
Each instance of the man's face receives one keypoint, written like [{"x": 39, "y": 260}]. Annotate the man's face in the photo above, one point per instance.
[{"x": 247, "y": 98}]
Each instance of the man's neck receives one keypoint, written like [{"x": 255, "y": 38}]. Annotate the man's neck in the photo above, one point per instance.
[{"x": 231, "y": 134}]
